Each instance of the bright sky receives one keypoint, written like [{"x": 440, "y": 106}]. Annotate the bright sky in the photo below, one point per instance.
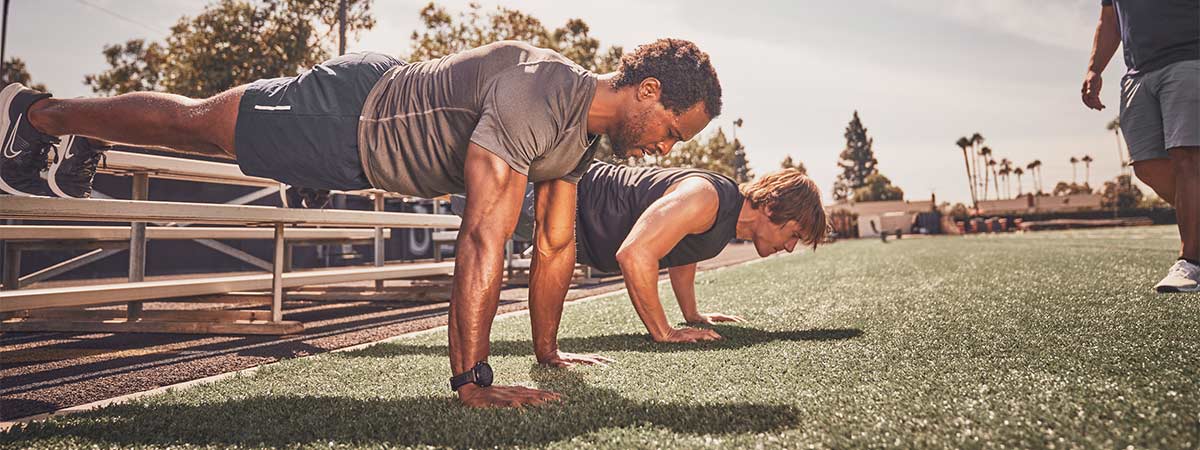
[{"x": 921, "y": 73}]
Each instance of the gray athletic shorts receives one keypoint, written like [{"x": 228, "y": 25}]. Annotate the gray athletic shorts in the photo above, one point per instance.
[
  {"x": 1161, "y": 110},
  {"x": 303, "y": 130}
]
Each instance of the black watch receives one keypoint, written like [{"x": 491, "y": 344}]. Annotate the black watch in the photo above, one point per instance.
[{"x": 481, "y": 375}]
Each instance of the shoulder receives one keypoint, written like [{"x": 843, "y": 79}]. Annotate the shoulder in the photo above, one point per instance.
[{"x": 694, "y": 197}]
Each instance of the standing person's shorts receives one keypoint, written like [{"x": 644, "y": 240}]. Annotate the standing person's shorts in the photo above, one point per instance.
[
  {"x": 303, "y": 130},
  {"x": 1160, "y": 110}
]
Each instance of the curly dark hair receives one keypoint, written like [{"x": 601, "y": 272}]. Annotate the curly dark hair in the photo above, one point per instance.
[{"x": 686, "y": 74}]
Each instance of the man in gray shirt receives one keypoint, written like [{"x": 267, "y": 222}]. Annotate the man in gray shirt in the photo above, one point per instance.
[
  {"x": 483, "y": 122},
  {"x": 1160, "y": 109}
]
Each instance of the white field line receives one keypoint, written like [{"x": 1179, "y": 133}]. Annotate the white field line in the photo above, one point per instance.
[{"x": 4, "y": 426}]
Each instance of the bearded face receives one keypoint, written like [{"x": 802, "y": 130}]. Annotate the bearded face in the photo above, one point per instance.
[{"x": 630, "y": 133}]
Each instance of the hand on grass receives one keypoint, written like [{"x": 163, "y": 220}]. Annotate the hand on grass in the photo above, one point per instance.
[
  {"x": 1091, "y": 90},
  {"x": 564, "y": 359},
  {"x": 689, "y": 335},
  {"x": 504, "y": 396},
  {"x": 711, "y": 318}
]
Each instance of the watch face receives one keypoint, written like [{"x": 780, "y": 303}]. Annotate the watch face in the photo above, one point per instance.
[{"x": 483, "y": 374}]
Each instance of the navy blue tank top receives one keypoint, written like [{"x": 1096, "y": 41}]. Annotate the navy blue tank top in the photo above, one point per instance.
[{"x": 611, "y": 198}]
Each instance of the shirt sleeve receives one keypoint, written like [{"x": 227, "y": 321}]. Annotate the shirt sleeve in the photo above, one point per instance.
[
  {"x": 584, "y": 163},
  {"x": 518, "y": 121}
]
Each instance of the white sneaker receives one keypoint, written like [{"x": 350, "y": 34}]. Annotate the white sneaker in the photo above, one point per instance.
[{"x": 1183, "y": 277}]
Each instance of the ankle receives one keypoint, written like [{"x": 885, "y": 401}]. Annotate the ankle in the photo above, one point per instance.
[{"x": 42, "y": 115}]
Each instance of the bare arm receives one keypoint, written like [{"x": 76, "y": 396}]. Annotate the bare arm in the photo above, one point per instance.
[
  {"x": 688, "y": 207},
  {"x": 1108, "y": 37},
  {"x": 550, "y": 274},
  {"x": 683, "y": 282},
  {"x": 494, "y": 195}
]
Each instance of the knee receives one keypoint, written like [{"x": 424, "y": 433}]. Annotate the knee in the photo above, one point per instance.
[
  {"x": 1153, "y": 176},
  {"x": 1186, "y": 162},
  {"x": 1159, "y": 175}
]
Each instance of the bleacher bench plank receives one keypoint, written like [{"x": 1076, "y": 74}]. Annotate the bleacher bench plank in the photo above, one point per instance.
[
  {"x": 147, "y": 290},
  {"x": 121, "y": 233},
  {"x": 95, "y": 210},
  {"x": 118, "y": 162}
]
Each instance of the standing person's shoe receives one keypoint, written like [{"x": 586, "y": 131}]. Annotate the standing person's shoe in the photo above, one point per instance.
[
  {"x": 1183, "y": 277},
  {"x": 72, "y": 172},
  {"x": 23, "y": 153}
]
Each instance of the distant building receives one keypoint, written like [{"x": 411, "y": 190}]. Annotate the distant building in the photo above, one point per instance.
[
  {"x": 876, "y": 217},
  {"x": 1030, "y": 204}
]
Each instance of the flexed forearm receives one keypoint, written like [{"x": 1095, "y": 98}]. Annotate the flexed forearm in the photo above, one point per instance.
[
  {"x": 478, "y": 265},
  {"x": 683, "y": 282},
  {"x": 640, "y": 271},
  {"x": 550, "y": 276}
]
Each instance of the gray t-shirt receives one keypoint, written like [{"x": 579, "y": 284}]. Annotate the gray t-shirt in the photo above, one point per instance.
[{"x": 525, "y": 104}]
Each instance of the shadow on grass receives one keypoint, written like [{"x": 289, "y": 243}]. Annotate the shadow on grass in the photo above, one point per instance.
[
  {"x": 734, "y": 337},
  {"x": 280, "y": 420}
]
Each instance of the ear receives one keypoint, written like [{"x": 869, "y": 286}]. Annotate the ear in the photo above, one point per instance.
[{"x": 649, "y": 89}]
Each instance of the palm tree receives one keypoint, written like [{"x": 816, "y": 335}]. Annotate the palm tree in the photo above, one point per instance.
[
  {"x": 976, "y": 142},
  {"x": 1115, "y": 127},
  {"x": 995, "y": 176},
  {"x": 1087, "y": 169},
  {"x": 1035, "y": 169},
  {"x": 963, "y": 143},
  {"x": 1018, "y": 171},
  {"x": 1004, "y": 173},
  {"x": 986, "y": 153},
  {"x": 1006, "y": 169},
  {"x": 1074, "y": 170}
]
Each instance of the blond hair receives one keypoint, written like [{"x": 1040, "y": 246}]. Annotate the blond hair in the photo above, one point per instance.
[{"x": 790, "y": 195}]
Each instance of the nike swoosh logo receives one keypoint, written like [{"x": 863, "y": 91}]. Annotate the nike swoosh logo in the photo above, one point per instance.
[
  {"x": 8, "y": 144},
  {"x": 68, "y": 144}
]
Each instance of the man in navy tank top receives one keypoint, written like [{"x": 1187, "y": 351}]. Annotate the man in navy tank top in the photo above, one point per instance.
[{"x": 638, "y": 220}]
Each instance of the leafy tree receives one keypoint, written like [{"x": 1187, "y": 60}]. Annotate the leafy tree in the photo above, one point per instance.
[
  {"x": 878, "y": 188},
  {"x": 231, "y": 42},
  {"x": 960, "y": 210},
  {"x": 1064, "y": 188},
  {"x": 857, "y": 160},
  {"x": 716, "y": 154},
  {"x": 15, "y": 72},
  {"x": 443, "y": 35},
  {"x": 789, "y": 164},
  {"x": 134, "y": 66},
  {"x": 1121, "y": 193},
  {"x": 741, "y": 166}
]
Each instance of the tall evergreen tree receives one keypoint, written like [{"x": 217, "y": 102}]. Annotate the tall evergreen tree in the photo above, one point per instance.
[
  {"x": 857, "y": 160},
  {"x": 741, "y": 167}
]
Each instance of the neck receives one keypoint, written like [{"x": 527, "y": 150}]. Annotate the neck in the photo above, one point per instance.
[
  {"x": 746, "y": 220},
  {"x": 602, "y": 113}
]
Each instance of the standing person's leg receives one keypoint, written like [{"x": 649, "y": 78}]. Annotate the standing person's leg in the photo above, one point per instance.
[
  {"x": 1162, "y": 111},
  {"x": 1186, "y": 162}
]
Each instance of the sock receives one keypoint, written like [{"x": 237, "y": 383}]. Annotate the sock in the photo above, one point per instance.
[{"x": 1194, "y": 262}]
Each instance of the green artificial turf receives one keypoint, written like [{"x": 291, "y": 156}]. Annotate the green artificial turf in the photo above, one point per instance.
[{"x": 1038, "y": 340}]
